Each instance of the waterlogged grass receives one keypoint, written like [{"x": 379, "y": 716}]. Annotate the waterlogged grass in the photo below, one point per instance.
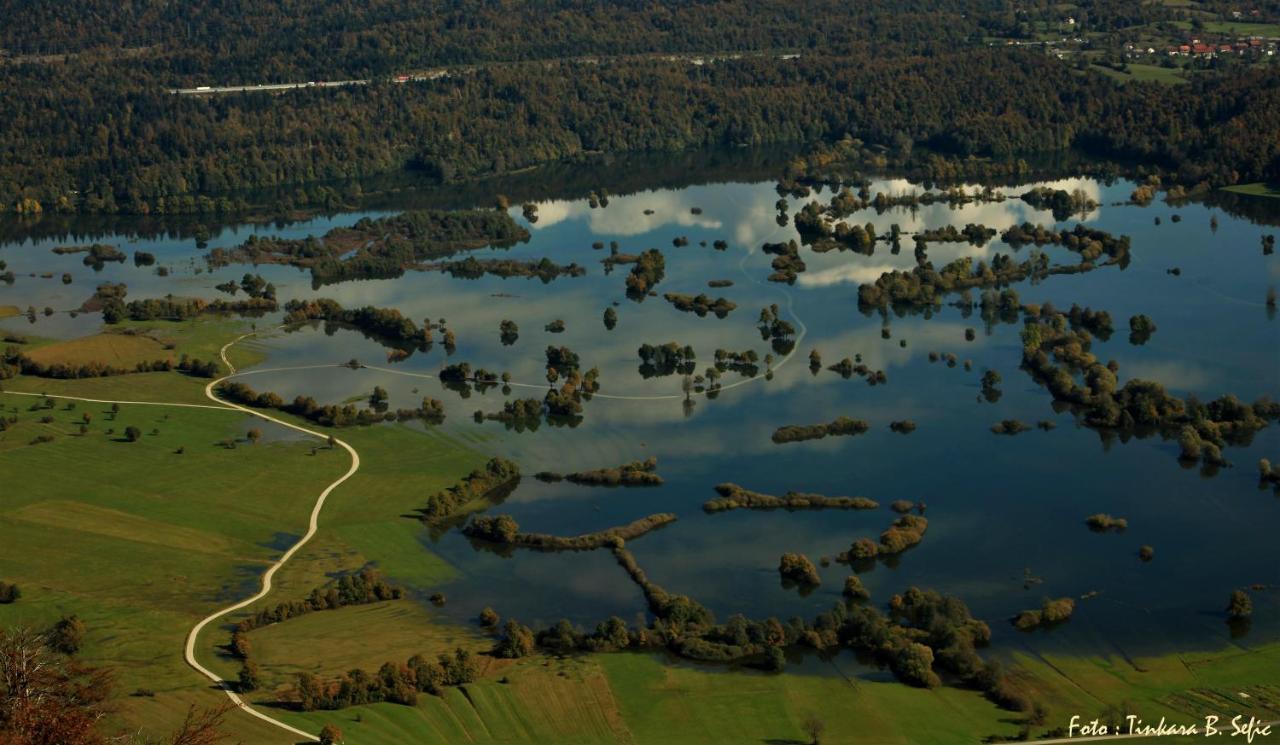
[
  {"x": 203, "y": 338},
  {"x": 9, "y": 311},
  {"x": 1256, "y": 189},
  {"x": 369, "y": 521}
]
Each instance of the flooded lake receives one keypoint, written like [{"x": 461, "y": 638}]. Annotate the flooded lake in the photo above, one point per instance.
[{"x": 1000, "y": 509}]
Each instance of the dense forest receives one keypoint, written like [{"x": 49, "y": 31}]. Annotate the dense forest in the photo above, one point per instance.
[{"x": 98, "y": 131}]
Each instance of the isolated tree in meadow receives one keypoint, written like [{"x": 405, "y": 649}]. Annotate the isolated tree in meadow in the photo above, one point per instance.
[
  {"x": 330, "y": 735},
  {"x": 67, "y": 635},
  {"x": 814, "y": 727},
  {"x": 254, "y": 435},
  {"x": 132, "y": 434}
]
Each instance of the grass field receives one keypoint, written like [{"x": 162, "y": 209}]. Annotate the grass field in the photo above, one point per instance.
[
  {"x": 200, "y": 339},
  {"x": 118, "y": 350},
  {"x": 1153, "y": 73},
  {"x": 1235, "y": 28},
  {"x": 156, "y": 386},
  {"x": 147, "y": 540},
  {"x": 642, "y": 699}
]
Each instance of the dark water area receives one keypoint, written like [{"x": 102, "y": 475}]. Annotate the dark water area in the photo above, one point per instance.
[{"x": 999, "y": 508}]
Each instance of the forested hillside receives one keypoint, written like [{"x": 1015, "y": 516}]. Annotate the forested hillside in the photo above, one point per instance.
[{"x": 87, "y": 123}]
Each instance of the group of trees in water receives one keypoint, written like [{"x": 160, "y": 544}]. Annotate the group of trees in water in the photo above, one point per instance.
[
  {"x": 903, "y": 533},
  {"x": 331, "y": 415},
  {"x": 496, "y": 474},
  {"x": 635, "y": 473},
  {"x": 647, "y": 270},
  {"x": 701, "y": 304},
  {"x": 385, "y": 325},
  {"x": 386, "y": 247},
  {"x": 841, "y": 425},
  {"x": 734, "y": 497},
  {"x": 1057, "y": 355},
  {"x": 924, "y": 286},
  {"x": 666, "y": 359},
  {"x": 922, "y": 631},
  {"x": 1050, "y": 613},
  {"x": 504, "y": 531}
]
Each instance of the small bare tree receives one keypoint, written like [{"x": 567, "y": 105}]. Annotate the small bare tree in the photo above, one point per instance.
[{"x": 814, "y": 727}]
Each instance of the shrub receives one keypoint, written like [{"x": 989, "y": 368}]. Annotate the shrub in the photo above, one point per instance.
[
  {"x": 67, "y": 635},
  {"x": 517, "y": 641},
  {"x": 797, "y": 568},
  {"x": 1239, "y": 605},
  {"x": 1102, "y": 522},
  {"x": 330, "y": 735},
  {"x": 854, "y": 589}
]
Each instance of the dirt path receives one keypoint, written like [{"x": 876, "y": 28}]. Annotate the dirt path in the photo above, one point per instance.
[{"x": 189, "y": 651}]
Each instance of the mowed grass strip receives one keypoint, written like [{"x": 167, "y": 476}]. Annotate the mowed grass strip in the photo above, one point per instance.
[{"x": 81, "y": 517}]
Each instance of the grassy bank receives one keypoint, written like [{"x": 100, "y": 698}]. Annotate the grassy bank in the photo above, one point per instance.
[{"x": 1256, "y": 189}]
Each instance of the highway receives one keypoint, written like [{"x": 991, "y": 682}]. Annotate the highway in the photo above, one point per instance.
[
  {"x": 436, "y": 74},
  {"x": 209, "y": 90}
]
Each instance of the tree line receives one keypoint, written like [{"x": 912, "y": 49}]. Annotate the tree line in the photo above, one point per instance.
[{"x": 66, "y": 139}]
